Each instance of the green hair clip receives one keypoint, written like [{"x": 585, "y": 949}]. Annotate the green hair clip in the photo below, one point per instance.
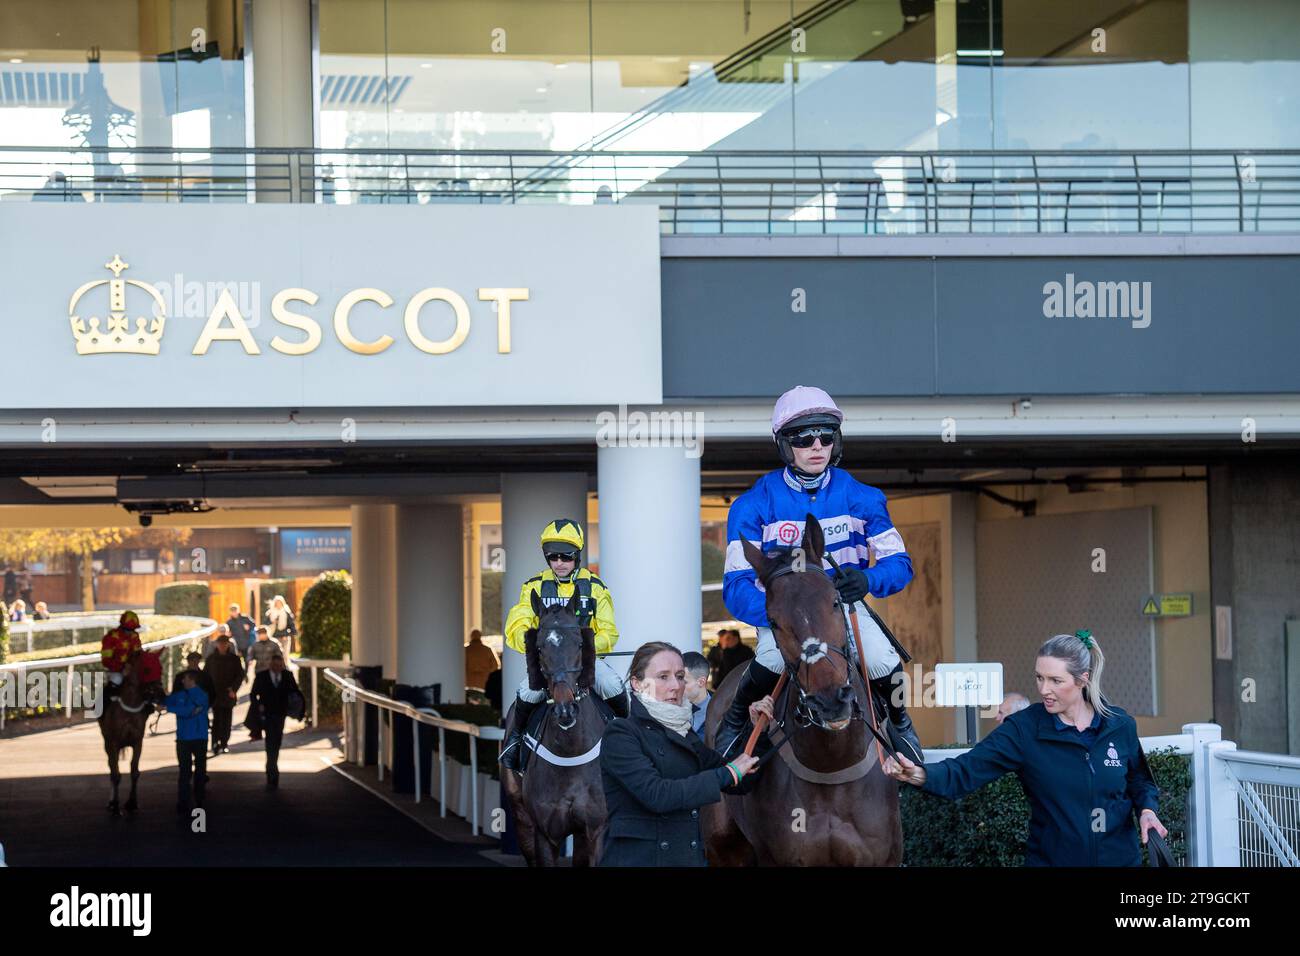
[{"x": 1085, "y": 637}]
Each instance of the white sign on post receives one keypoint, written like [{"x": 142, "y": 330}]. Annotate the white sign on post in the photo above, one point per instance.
[{"x": 968, "y": 685}]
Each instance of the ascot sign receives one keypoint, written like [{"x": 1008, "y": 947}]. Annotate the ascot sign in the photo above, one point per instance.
[
  {"x": 330, "y": 306},
  {"x": 116, "y": 333}
]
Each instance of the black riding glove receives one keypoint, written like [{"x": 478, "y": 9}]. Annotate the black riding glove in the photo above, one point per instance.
[{"x": 851, "y": 583}]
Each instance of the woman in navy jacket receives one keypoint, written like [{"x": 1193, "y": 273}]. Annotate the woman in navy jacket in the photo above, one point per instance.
[{"x": 1077, "y": 757}]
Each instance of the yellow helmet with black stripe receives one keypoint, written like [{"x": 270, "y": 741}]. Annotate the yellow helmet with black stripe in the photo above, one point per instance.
[{"x": 562, "y": 534}]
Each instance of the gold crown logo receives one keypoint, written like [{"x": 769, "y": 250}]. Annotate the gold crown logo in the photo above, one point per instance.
[{"x": 116, "y": 334}]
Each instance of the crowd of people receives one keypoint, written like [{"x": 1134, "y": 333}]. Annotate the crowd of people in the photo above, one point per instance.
[{"x": 204, "y": 695}]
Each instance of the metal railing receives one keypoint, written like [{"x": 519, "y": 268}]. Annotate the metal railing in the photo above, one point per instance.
[
  {"x": 355, "y": 694},
  {"x": 732, "y": 192},
  {"x": 13, "y": 675}
]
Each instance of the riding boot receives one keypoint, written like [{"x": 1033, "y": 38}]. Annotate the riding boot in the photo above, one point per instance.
[
  {"x": 901, "y": 732},
  {"x": 513, "y": 748},
  {"x": 755, "y": 684},
  {"x": 618, "y": 704}
]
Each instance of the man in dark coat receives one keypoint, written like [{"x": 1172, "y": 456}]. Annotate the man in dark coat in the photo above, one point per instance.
[
  {"x": 270, "y": 695},
  {"x": 655, "y": 782},
  {"x": 226, "y": 672},
  {"x": 241, "y": 631}
]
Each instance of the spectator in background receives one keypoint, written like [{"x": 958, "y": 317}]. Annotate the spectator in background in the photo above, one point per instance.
[
  {"x": 732, "y": 654},
  {"x": 25, "y": 586},
  {"x": 280, "y": 620},
  {"x": 18, "y": 610},
  {"x": 480, "y": 661},
  {"x": 492, "y": 689},
  {"x": 42, "y": 611},
  {"x": 193, "y": 665},
  {"x": 241, "y": 628},
  {"x": 190, "y": 705},
  {"x": 210, "y": 643},
  {"x": 1013, "y": 703},
  {"x": 715, "y": 658},
  {"x": 263, "y": 649},
  {"x": 697, "y": 690},
  {"x": 270, "y": 696},
  {"x": 225, "y": 671},
  {"x": 11, "y": 585}
]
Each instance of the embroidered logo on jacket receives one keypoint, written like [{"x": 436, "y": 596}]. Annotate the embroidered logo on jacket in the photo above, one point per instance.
[{"x": 1112, "y": 757}]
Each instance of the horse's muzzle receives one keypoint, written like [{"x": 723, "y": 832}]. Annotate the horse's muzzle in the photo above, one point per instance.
[{"x": 566, "y": 710}]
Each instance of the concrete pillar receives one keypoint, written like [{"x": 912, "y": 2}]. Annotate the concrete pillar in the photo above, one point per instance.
[
  {"x": 528, "y": 502},
  {"x": 430, "y": 598},
  {"x": 283, "y": 114},
  {"x": 959, "y": 618},
  {"x": 650, "y": 545},
  {"x": 373, "y": 588},
  {"x": 1254, "y": 525}
]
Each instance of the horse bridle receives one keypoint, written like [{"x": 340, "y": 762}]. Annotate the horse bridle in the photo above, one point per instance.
[
  {"x": 804, "y": 717},
  {"x": 562, "y": 676}
]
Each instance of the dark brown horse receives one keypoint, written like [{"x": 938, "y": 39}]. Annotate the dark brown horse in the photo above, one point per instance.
[
  {"x": 822, "y": 799},
  {"x": 560, "y": 794},
  {"x": 123, "y": 720}
]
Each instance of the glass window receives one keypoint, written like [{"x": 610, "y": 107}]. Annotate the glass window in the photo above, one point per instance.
[{"x": 116, "y": 74}]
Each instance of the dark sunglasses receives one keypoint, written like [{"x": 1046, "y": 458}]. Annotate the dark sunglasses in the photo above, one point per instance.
[
  {"x": 806, "y": 437},
  {"x": 558, "y": 556}
]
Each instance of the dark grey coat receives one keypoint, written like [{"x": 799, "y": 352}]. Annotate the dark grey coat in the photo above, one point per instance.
[{"x": 655, "y": 782}]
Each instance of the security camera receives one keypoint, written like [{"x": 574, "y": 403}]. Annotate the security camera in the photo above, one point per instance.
[
  {"x": 146, "y": 520},
  {"x": 1026, "y": 404}
]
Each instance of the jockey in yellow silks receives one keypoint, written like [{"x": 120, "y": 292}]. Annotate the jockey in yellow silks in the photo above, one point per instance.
[{"x": 562, "y": 544}]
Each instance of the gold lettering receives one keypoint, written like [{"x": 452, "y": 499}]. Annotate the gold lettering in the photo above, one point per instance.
[
  {"x": 294, "y": 320},
  {"x": 503, "y": 298},
  {"x": 237, "y": 332},
  {"x": 458, "y": 306},
  {"x": 341, "y": 321}
]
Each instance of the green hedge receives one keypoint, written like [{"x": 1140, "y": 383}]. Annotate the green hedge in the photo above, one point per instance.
[
  {"x": 4, "y": 632},
  {"x": 325, "y": 631},
  {"x": 990, "y": 826},
  {"x": 192, "y": 598}
]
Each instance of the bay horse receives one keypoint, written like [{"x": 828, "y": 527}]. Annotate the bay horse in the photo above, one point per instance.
[
  {"x": 823, "y": 799},
  {"x": 560, "y": 793},
  {"x": 123, "y": 720}
]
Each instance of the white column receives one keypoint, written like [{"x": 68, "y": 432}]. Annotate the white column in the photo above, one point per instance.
[
  {"x": 430, "y": 598},
  {"x": 528, "y": 503},
  {"x": 283, "y": 115},
  {"x": 650, "y": 545},
  {"x": 959, "y": 616},
  {"x": 373, "y": 587}
]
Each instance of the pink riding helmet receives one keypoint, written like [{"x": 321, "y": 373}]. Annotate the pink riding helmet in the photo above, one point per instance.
[{"x": 801, "y": 401}]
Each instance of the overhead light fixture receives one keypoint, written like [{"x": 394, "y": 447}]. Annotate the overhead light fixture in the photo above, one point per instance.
[
  {"x": 979, "y": 53},
  {"x": 15, "y": 59},
  {"x": 426, "y": 66}
]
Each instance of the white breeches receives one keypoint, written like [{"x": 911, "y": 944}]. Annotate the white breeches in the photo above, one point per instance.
[
  {"x": 881, "y": 656},
  {"x": 608, "y": 684}
]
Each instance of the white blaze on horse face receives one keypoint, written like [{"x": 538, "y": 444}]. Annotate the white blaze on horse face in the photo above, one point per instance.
[
  {"x": 813, "y": 650},
  {"x": 553, "y": 638}
]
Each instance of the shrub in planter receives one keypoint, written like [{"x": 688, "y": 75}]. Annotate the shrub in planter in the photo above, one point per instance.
[
  {"x": 990, "y": 827},
  {"x": 183, "y": 597},
  {"x": 4, "y": 632},
  {"x": 325, "y": 631}
]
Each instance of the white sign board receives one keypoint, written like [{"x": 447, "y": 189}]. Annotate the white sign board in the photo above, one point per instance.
[
  {"x": 235, "y": 305},
  {"x": 967, "y": 685}
]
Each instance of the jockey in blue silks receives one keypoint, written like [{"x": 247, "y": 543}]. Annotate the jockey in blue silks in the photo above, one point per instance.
[{"x": 855, "y": 521}]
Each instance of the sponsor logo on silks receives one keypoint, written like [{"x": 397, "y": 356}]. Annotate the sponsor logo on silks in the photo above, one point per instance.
[
  {"x": 787, "y": 532},
  {"x": 1112, "y": 757}
]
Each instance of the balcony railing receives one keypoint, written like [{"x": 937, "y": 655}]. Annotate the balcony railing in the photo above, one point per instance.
[{"x": 720, "y": 193}]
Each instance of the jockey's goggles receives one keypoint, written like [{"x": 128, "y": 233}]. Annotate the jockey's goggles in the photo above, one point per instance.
[
  {"x": 561, "y": 555},
  {"x": 805, "y": 437}
]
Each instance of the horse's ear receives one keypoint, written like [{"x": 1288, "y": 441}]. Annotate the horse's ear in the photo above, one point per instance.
[
  {"x": 536, "y": 679},
  {"x": 757, "y": 560},
  {"x": 575, "y": 602},
  {"x": 814, "y": 542},
  {"x": 536, "y": 600},
  {"x": 588, "y": 676}
]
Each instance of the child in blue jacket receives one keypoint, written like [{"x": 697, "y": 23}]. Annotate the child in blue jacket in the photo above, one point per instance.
[
  {"x": 1078, "y": 758},
  {"x": 190, "y": 705}
]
